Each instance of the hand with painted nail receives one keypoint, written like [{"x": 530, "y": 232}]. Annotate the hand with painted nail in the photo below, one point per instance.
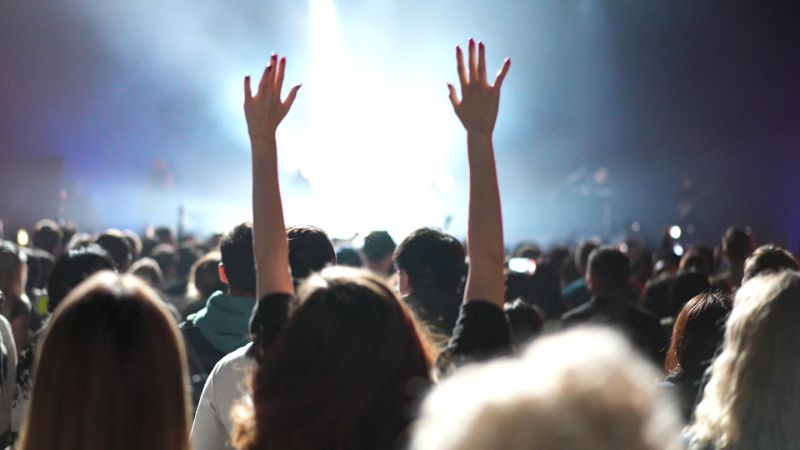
[
  {"x": 479, "y": 102},
  {"x": 265, "y": 110}
]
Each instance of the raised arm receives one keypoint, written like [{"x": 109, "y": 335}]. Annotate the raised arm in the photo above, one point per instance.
[
  {"x": 264, "y": 112},
  {"x": 477, "y": 111}
]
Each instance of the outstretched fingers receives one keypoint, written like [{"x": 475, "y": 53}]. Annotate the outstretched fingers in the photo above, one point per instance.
[
  {"x": 248, "y": 93},
  {"x": 482, "y": 63},
  {"x": 279, "y": 75},
  {"x": 473, "y": 66},
  {"x": 290, "y": 98},
  {"x": 501, "y": 75},
  {"x": 453, "y": 95},
  {"x": 462, "y": 71}
]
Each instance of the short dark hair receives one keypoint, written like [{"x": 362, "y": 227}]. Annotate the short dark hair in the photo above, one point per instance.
[
  {"x": 582, "y": 252},
  {"x": 378, "y": 245},
  {"x": 608, "y": 268},
  {"x": 147, "y": 269},
  {"x": 769, "y": 259},
  {"x": 166, "y": 256},
  {"x": 47, "y": 236},
  {"x": 72, "y": 268},
  {"x": 238, "y": 260},
  {"x": 310, "y": 250},
  {"x": 687, "y": 285},
  {"x": 736, "y": 244},
  {"x": 164, "y": 234},
  {"x": 432, "y": 258},
  {"x": 348, "y": 256},
  {"x": 118, "y": 246}
]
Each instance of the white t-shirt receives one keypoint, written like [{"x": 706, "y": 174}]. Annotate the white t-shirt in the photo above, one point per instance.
[{"x": 226, "y": 384}]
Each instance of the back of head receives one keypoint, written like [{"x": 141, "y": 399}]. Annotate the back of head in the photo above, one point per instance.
[
  {"x": 166, "y": 255},
  {"x": 432, "y": 258},
  {"x": 338, "y": 373},
  {"x": 736, "y": 245},
  {"x": 582, "y": 389},
  {"x": 40, "y": 264},
  {"x": 13, "y": 269},
  {"x": 148, "y": 270},
  {"x": 164, "y": 235},
  {"x": 530, "y": 250},
  {"x": 310, "y": 250},
  {"x": 656, "y": 295},
  {"x": 582, "y": 252},
  {"x": 204, "y": 277},
  {"x": 72, "y": 268},
  {"x": 687, "y": 285},
  {"x": 378, "y": 245},
  {"x": 118, "y": 247},
  {"x": 47, "y": 236},
  {"x": 698, "y": 332},
  {"x": 608, "y": 271},
  {"x": 238, "y": 259},
  {"x": 769, "y": 259},
  {"x": 750, "y": 401},
  {"x": 135, "y": 242},
  {"x": 110, "y": 353},
  {"x": 348, "y": 256}
]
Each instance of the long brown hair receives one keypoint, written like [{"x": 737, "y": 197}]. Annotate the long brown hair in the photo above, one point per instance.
[
  {"x": 341, "y": 373},
  {"x": 111, "y": 373},
  {"x": 698, "y": 332}
]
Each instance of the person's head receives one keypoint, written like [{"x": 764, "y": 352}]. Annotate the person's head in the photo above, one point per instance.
[
  {"x": 378, "y": 249},
  {"x": 117, "y": 245},
  {"x": 529, "y": 250},
  {"x": 72, "y": 268},
  {"x": 750, "y": 401},
  {"x": 769, "y": 259},
  {"x": 40, "y": 264},
  {"x": 338, "y": 372},
  {"x": 736, "y": 245},
  {"x": 687, "y": 285},
  {"x": 584, "y": 389},
  {"x": 695, "y": 260},
  {"x": 47, "y": 236},
  {"x": 607, "y": 272},
  {"x": 430, "y": 258},
  {"x": 518, "y": 287},
  {"x": 166, "y": 255},
  {"x": 698, "y": 332},
  {"x": 238, "y": 268},
  {"x": 135, "y": 242},
  {"x": 148, "y": 270},
  {"x": 204, "y": 277},
  {"x": 13, "y": 269},
  {"x": 348, "y": 256},
  {"x": 188, "y": 254},
  {"x": 68, "y": 230},
  {"x": 524, "y": 320},
  {"x": 164, "y": 235},
  {"x": 656, "y": 296},
  {"x": 310, "y": 250},
  {"x": 582, "y": 252},
  {"x": 110, "y": 354}
]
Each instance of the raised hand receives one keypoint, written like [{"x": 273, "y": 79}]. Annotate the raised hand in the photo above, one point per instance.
[
  {"x": 265, "y": 111},
  {"x": 477, "y": 108}
]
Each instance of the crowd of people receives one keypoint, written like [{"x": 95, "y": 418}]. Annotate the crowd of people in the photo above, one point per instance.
[{"x": 270, "y": 337}]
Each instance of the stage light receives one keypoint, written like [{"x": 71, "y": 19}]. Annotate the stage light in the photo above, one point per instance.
[
  {"x": 636, "y": 227},
  {"x": 22, "y": 238},
  {"x": 675, "y": 232},
  {"x": 678, "y": 249}
]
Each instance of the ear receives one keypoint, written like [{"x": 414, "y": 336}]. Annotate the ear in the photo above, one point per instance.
[
  {"x": 405, "y": 287},
  {"x": 222, "y": 276}
]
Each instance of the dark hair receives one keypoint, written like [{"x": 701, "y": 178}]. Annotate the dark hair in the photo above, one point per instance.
[
  {"x": 188, "y": 254},
  {"x": 72, "y": 268},
  {"x": 518, "y": 287},
  {"x": 546, "y": 289},
  {"x": 582, "y": 252},
  {"x": 432, "y": 258},
  {"x": 117, "y": 245},
  {"x": 135, "y": 242},
  {"x": 348, "y": 256},
  {"x": 529, "y": 250},
  {"x": 166, "y": 256},
  {"x": 687, "y": 285},
  {"x": 656, "y": 295},
  {"x": 698, "y": 332},
  {"x": 164, "y": 235},
  {"x": 238, "y": 259},
  {"x": 769, "y": 259},
  {"x": 736, "y": 244},
  {"x": 524, "y": 321},
  {"x": 47, "y": 236},
  {"x": 340, "y": 369},
  {"x": 378, "y": 245},
  {"x": 204, "y": 275},
  {"x": 40, "y": 264},
  {"x": 148, "y": 270},
  {"x": 310, "y": 250},
  {"x": 609, "y": 269}
]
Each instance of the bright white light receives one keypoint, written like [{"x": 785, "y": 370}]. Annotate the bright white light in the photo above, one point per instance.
[
  {"x": 444, "y": 182},
  {"x": 678, "y": 249},
  {"x": 623, "y": 247},
  {"x": 22, "y": 237},
  {"x": 675, "y": 232},
  {"x": 522, "y": 265}
]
